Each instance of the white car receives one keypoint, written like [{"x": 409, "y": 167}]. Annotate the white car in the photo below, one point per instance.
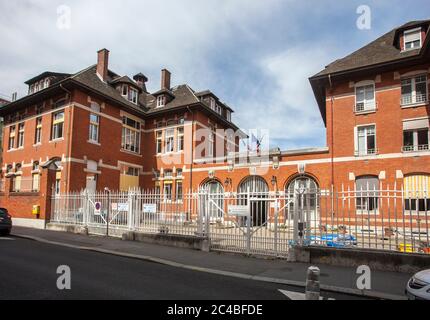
[{"x": 418, "y": 288}]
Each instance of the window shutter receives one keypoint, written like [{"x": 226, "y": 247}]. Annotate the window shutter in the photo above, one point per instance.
[{"x": 355, "y": 140}]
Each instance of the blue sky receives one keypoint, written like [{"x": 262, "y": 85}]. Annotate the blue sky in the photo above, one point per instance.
[{"x": 255, "y": 55}]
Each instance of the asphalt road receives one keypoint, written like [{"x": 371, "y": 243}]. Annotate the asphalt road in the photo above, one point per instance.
[{"x": 28, "y": 271}]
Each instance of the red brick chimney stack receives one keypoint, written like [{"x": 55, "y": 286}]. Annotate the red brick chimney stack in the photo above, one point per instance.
[
  {"x": 103, "y": 63},
  {"x": 165, "y": 79}
]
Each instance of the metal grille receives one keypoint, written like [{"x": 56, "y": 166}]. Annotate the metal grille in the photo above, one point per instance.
[{"x": 262, "y": 222}]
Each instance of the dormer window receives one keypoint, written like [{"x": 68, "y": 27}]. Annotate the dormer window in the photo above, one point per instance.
[
  {"x": 132, "y": 95},
  {"x": 124, "y": 91},
  {"x": 412, "y": 39},
  {"x": 212, "y": 103},
  {"x": 228, "y": 115},
  {"x": 161, "y": 101}
]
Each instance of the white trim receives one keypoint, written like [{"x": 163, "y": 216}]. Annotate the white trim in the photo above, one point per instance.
[{"x": 420, "y": 29}]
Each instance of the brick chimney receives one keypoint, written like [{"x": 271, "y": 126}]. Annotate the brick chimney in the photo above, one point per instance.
[
  {"x": 165, "y": 79},
  {"x": 103, "y": 63},
  {"x": 141, "y": 80}
]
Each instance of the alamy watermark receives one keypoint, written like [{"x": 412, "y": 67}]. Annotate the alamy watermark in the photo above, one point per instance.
[
  {"x": 364, "y": 281},
  {"x": 64, "y": 281},
  {"x": 64, "y": 17},
  {"x": 364, "y": 21}
]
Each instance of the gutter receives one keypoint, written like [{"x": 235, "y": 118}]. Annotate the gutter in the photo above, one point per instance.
[{"x": 68, "y": 139}]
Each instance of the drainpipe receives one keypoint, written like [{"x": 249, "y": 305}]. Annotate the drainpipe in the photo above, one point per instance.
[
  {"x": 68, "y": 142},
  {"x": 332, "y": 143},
  {"x": 192, "y": 151}
]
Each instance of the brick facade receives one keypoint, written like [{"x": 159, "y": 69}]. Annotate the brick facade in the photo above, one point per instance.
[{"x": 336, "y": 166}]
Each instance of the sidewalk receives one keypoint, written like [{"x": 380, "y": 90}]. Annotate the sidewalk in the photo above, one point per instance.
[{"x": 388, "y": 285}]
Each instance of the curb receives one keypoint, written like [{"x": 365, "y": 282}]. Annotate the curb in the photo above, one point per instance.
[{"x": 335, "y": 289}]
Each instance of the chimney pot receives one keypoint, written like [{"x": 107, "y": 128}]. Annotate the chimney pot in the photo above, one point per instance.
[
  {"x": 165, "y": 79},
  {"x": 103, "y": 63},
  {"x": 141, "y": 79}
]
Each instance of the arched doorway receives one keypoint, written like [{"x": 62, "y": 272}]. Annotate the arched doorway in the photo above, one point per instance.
[
  {"x": 215, "y": 192},
  {"x": 303, "y": 191},
  {"x": 257, "y": 188}
]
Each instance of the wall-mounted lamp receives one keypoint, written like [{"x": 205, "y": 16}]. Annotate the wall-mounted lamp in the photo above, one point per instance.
[
  {"x": 274, "y": 180},
  {"x": 228, "y": 182}
]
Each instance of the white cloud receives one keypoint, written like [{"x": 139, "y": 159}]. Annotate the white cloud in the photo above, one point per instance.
[{"x": 142, "y": 35}]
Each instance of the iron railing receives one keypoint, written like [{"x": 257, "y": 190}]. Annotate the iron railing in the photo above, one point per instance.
[{"x": 262, "y": 223}]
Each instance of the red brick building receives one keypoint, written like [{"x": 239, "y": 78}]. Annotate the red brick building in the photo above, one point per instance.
[{"x": 96, "y": 129}]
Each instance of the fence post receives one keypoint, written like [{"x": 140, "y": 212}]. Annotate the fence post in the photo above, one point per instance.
[
  {"x": 207, "y": 214},
  {"x": 85, "y": 207},
  {"x": 276, "y": 216},
  {"x": 131, "y": 209},
  {"x": 313, "y": 284},
  {"x": 248, "y": 224},
  {"x": 296, "y": 216}
]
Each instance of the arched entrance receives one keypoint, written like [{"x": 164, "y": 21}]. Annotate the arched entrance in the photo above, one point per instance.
[
  {"x": 215, "y": 192},
  {"x": 303, "y": 191},
  {"x": 257, "y": 188}
]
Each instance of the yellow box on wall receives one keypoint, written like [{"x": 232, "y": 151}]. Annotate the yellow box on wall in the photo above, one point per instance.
[{"x": 36, "y": 209}]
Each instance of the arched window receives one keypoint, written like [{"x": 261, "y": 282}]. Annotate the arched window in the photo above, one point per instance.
[
  {"x": 367, "y": 193},
  {"x": 253, "y": 184},
  {"x": 215, "y": 192},
  {"x": 305, "y": 189},
  {"x": 416, "y": 189},
  {"x": 258, "y": 189}
]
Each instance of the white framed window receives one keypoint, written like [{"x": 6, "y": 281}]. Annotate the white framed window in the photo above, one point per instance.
[
  {"x": 168, "y": 173},
  {"x": 12, "y": 133},
  {"x": 179, "y": 173},
  {"x": 94, "y": 127},
  {"x": 130, "y": 135},
  {"x": 179, "y": 191},
  {"x": 21, "y": 135},
  {"x": 16, "y": 183},
  {"x": 133, "y": 95},
  {"x": 161, "y": 101},
  {"x": 228, "y": 115},
  {"x": 211, "y": 142},
  {"x": 414, "y": 90},
  {"x": 168, "y": 191},
  {"x": 131, "y": 171},
  {"x": 124, "y": 92},
  {"x": 180, "y": 133},
  {"x": 367, "y": 188},
  {"x": 212, "y": 103},
  {"x": 159, "y": 142},
  {"x": 412, "y": 39},
  {"x": 416, "y": 140},
  {"x": 35, "y": 182},
  {"x": 170, "y": 140},
  {"x": 57, "y": 125},
  {"x": 366, "y": 140},
  {"x": 38, "y": 131},
  {"x": 365, "y": 98}
]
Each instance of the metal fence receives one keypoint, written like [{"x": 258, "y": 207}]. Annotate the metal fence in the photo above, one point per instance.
[{"x": 263, "y": 223}]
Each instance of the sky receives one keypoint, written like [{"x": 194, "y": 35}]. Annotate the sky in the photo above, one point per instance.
[{"x": 255, "y": 55}]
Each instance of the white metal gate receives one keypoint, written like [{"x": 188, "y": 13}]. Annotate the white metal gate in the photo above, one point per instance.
[{"x": 260, "y": 222}]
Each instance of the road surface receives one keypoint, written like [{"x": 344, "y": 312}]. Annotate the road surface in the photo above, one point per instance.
[{"x": 29, "y": 272}]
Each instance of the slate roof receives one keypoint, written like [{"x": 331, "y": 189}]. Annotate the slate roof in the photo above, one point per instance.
[
  {"x": 182, "y": 95},
  {"x": 381, "y": 50}
]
